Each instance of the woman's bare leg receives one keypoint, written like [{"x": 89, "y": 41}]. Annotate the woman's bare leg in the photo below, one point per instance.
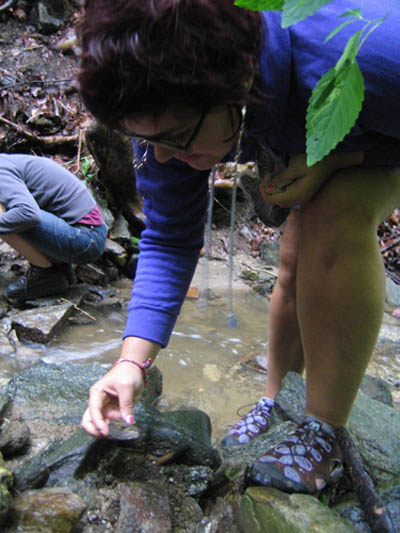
[
  {"x": 23, "y": 247},
  {"x": 285, "y": 351},
  {"x": 341, "y": 285}
]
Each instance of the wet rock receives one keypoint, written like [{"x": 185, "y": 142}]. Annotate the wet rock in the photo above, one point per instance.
[
  {"x": 41, "y": 324},
  {"x": 120, "y": 231},
  {"x": 91, "y": 274},
  {"x": 389, "y": 492},
  {"x": 392, "y": 292},
  {"x": 186, "y": 432},
  {"x": 144, "y": 508},
  {"x": 33, "y": 474},
  {"x": 6, "y": 348},
  {"x": 113, "y": 248},
  {"x": 60, "y": 460},
  {"x": 220, "y": 519},
  {"x": 47, "y": 510},
  {"x": 197, "y": 479},
  {"x": 4, "y": 403},
  {"x": 25, "y": 355},
  {"x": 14, "y": 437},
  {"x": 6, "y": 480},
  {"x": 389, "y": 333},
  {"x": 54, "y": 392},
  {"x": 3, "y": 309},
  {"x": 290, "y": 402},
  {"x": 267, "y": 509},
  {"x": 377, "y": 389},
  {"x": 375, "y": 428},
  {"x": 229, "y": 482}
]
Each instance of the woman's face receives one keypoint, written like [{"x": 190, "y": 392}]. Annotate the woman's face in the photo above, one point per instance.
[{"x": 205, "y": 134}]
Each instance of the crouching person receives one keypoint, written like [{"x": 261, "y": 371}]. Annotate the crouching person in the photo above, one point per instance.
[{"x": 50, "y": 218}]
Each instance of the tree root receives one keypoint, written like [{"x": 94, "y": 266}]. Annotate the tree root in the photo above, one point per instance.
[{"x": 375, "y": 511}]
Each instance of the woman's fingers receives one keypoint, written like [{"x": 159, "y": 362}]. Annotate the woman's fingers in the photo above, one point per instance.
[
  {"x": 112, "y": 398},
  {"x": 98, "y": 400},
  {"x": 90, "y": 427}
]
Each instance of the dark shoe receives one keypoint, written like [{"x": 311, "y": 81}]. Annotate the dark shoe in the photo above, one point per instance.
[
  {"x": 68, "y": 270},
  {"x": 251, "y": 425},
  {"x": 37, "y": 283},
  {"x": 307, "y": 461}
]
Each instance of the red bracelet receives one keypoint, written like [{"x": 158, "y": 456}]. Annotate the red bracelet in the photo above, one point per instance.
[{"x": 143, "y": 366}]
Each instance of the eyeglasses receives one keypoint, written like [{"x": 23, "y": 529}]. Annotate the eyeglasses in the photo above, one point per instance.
[{"x": 171, "y": 145}]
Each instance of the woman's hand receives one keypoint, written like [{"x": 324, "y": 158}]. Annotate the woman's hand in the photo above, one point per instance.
[
  {"x": 112, "y": 398},
  {"x": 114, "y": 395},
  {"x": 297, "y": 184}
]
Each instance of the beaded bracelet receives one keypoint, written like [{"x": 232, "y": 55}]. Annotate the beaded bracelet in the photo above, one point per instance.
[{"x": 143, "y": 366}]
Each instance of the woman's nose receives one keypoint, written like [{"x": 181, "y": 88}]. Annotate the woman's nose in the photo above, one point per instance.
[{"x": 163, "y": 154}]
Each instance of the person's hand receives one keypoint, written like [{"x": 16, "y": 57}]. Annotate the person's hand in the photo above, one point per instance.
[
  {"x": 113, "y": 397},
  {"x": 297, "y": 184}
]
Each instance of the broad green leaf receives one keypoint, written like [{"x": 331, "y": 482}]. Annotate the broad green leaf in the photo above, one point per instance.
[
  {"x": 297, "y": 10},
  {"x": 333, "y": 109},
  {"x": 261, "y": 5}
]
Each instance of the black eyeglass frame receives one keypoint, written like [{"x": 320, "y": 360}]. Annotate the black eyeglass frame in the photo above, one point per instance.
[{"x": 170, "y": 145}]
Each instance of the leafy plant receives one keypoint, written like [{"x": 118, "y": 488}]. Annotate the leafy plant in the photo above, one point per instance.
[
  {"x": 85, "y": 166},
  {"x": 336, "y": 100}
]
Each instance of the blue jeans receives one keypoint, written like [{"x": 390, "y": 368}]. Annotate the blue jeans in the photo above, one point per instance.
[{"x": 64, "y": 243}]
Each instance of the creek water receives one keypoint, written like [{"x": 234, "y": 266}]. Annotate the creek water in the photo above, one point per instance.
[{"x": 202, "y": 364}]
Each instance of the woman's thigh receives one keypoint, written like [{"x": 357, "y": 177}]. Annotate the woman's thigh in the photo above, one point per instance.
[
  {"x": 363, "y": 196},
  {"x": 65, "y": 243}
]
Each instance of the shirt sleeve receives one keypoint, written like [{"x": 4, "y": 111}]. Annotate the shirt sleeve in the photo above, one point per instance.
[
  {"x": 21, "y": 210},
  {"x": 175, "y": 205}
]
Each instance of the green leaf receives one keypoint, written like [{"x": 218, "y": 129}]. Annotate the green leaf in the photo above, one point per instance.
[
  {"x": 337, "y": 30},
  {"x": 261, "y": 5},
  {"x": 352, "y": 13},
  {"x": 333, "y": 108},
  {"x": 351, "y": 50},
  {"x": 297, "y": 10}
]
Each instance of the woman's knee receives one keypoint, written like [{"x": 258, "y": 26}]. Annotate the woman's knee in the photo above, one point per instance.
[{"x": 363, "y": 195}]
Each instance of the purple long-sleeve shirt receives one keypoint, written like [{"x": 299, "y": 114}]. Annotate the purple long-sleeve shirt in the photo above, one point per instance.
[{"x": 291, "y": 63}]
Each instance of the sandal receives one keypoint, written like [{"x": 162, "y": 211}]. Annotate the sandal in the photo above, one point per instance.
[
  {"x": 252, "y": 424},
  {"x": 307, "y": 461}
]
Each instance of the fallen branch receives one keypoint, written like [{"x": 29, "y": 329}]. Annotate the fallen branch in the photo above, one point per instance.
[
  {"x": 47, "y": 141},
  {"x": 78, "y": 308},
  {"x": 375, "y": 511}
]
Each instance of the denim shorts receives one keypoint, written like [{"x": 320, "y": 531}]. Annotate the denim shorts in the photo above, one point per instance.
[{"x": 64, "y": 243}]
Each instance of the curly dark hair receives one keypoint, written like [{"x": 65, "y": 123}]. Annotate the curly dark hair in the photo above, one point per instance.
[{"x": 141, "y": 57}]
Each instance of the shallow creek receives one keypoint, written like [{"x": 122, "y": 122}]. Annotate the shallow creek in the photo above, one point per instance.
[{"x": 201, "y": 366}]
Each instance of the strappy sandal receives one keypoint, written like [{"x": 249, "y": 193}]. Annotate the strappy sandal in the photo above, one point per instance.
[
  {"x": 251, "y": 425},
  {"x": 307, "y": 461}
]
